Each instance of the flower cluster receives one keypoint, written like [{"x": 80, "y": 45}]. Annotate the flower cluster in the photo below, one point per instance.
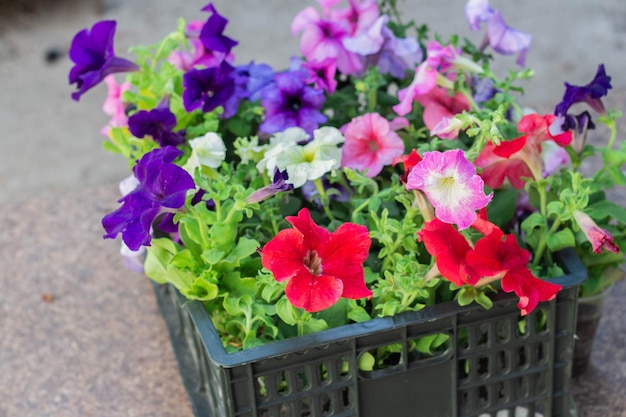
[{"x": 379, "y": 172}]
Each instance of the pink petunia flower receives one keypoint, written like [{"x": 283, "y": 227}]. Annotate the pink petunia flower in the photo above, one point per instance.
[
  {"x": 370, "y": 144},
  {"x": 598, "y": 237},
  {"x": 430, "y": 73},
  {"x": 439, "y": 107},
  {"x": 319, "y": 266},
  {"x": 113, "y": 105},
  {"x": 451, "y": 184}
]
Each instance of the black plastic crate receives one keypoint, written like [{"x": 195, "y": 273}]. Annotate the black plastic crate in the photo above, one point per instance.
[{"x": 489, "y": 368}]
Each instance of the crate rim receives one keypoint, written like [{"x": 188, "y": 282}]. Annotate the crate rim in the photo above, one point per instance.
[{"x": 576, "y": 273}]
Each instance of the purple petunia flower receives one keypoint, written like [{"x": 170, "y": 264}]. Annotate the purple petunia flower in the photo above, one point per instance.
[
  {"x": 157, "y": 123},
  {"x": 322, "y": 74},
  {"x": 291, "y": 103},
  {"x": 94, "y": 58},
  {"x": 211, "y": 34},
  {"x": 503, "y": 39},
  {"x": 591, "y": 93},
  {"x": 161, "y": 185},
  {"x": 208, "y": 88},
  {"x": 278, "y": 185}
]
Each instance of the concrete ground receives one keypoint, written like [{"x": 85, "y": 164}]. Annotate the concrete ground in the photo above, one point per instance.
[{"x": 97, "y": 347}]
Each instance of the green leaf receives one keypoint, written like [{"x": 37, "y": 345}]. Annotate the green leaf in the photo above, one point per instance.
[
  {"x": 561, "y": 240},
  {"x": 286, "y": 311},
  {"x": 607, "y": 209},
  {"x": 236, "y": 285},
  {"x": 337, "y": 314},
  {"x": 533, "y": 221},
  {"x": 213, "y": 256},
  {"x": 426, "y": 344},
  {"x": 200, "y": 290},
  {"x": 358, "y": 314},
  {"x": 501, "y": 209},
  {"x": 314, "y": 325},
  {"x": 366, "y": 361},
  {"x": 158, "y": 256}
]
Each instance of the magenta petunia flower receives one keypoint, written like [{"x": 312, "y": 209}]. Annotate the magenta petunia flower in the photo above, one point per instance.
[
  {"x": 322, "y": 38},
  {"x": 319, "y": 266},
  {"x": 322, "y": 74},
  {"x": 451, "y": 184},
  {"x": 502, "y": 38},
  {"x": 370, "y": 144},
  {"x": 94, "y": 58},
  {"x": 360, "y": 14}
]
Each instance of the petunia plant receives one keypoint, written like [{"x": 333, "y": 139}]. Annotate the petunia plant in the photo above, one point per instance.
[{"x": 381, "y": 170}]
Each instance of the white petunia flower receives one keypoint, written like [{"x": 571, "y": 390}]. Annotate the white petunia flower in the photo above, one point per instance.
[
  {"x": 208, "y": 150},
  {"x": 304, "y": 162}
]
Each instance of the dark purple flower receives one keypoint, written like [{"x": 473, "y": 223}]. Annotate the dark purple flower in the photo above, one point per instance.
[
  {"x": 162, "y": 184},
  {"x": 94, "y": 58},
  {"x": 291, "y": 103},
  {"x": 157, "y": 123},
  {"x": 208, "y": 88},
  {"x": 278, "y": 185},
  {"x": 591, "y": 93},
  {"x": 211, "y": 34}
]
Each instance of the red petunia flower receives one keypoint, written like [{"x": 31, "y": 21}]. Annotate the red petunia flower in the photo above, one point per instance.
[
  {"x": 521, "y": 157},
  {"x": 494, "y": 256},
  {"x": 320, "y": 266},
  {"x": 408, "y": 163}
]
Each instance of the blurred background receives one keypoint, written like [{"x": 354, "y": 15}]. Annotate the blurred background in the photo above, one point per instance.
[{"x": 51, "y": 143}]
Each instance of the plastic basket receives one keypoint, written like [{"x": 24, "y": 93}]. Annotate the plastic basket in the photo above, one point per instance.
[{"x": 489, "y": 368}]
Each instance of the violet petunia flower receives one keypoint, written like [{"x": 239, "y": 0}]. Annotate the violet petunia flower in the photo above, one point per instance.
[
  {"x": 212, "y": 36},
  {"x": 208, "y": 88},
  {"x": 161, "y": 185},
  {"x": 278, "y": 185},
  {"x": 251, "y": 79},
  {"x": 379, "y": 47},
  {"x": 289, "y": 102},
  {"x": 502, "y": 38},
  {"x": 94, "y": 58},
  {"x": 157, "y": 123}
]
